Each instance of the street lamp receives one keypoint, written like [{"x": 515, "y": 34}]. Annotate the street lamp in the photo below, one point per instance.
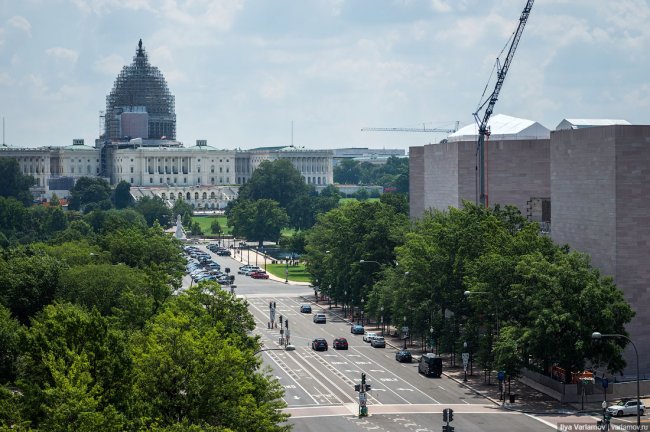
[
  {"x": 598, "y": 336},
  {"x": 431, "y": 340},
  {"x": 369, "y": 261},
  {"x": 382, "y": 320},
  {"x": 405, "y": 332},
  {"x": 465, "y": 365},
  {"x": 345, "y": 296},
  {"x": 362, "y": 300}
]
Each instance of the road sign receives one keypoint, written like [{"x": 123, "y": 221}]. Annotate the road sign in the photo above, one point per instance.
[
  {"x": 501, "y": 375},
  {"x": 605, "y": 383},
  {"x": 465, "y": 359},
  {"x": 362, "y": 399},
  {"x": 405, "y": 329}
]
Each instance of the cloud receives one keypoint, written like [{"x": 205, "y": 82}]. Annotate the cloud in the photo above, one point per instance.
[
  {"x": 467, "y": 32},
  {"x": 273, "y": 89},
  {"x": 218, "y": 15},
  {"x": 101, "y": 7},
  {"x": 20, "y": 23},
  {"x": 5, "y": 79},
  {"x": 65, "y": 54},
  {"x": 109, "y": 65},
  {"x": 440, "y": 6}
]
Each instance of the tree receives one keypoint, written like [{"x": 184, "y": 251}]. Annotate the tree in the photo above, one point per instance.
[
  {"x": 89, "y": 190},
  {"x": 122, "y": 195},
  {"x": 183, "y": 208},
  {"x": 215, "y": 227},
  {"x": 196, "y": 229},
  {"x": 200, "y": 337},
  {"x": 347, "y": 172},
  {"x": 258, "y": 220},
  {"x": 277, "y": 180},
  {"x": 9, "y": 345},
  {"x": 154, "y": 209},
  {"x": 15, "y": 184},
  {"x": 398, "y": 201}
]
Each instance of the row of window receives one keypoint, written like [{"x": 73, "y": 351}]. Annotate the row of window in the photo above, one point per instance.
[
  {"x": 175, "y": 180},
  {"x": 188, "y": 195},
  {"x": 316, "y": 180}
]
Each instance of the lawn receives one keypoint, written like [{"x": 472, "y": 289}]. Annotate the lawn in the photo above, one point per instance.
[
  {"x": 347, "y": 200},
  {"x": 297, "y": 273},
  {"x": 206, "y": 221}
]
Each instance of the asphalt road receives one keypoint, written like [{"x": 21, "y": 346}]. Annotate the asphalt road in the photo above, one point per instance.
[{"x": 319, "y": 386}]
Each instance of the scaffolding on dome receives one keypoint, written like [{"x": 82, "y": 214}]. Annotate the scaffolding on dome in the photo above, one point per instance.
[{"x": 140, "y": 89}]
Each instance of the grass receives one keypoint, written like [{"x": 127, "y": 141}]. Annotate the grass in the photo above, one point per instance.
[
  {"x": 347, "y": 200},
  {"x": 297, "y": 273},
  {"x": 206, "y": 221}
]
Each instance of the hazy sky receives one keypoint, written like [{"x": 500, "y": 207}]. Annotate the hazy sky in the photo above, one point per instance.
[{"x": 243, "y": 70}]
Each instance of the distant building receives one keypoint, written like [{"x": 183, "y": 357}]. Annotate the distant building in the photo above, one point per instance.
[
  {"x": 586, "y": 123},
  {"x": 363, "y": 154}
]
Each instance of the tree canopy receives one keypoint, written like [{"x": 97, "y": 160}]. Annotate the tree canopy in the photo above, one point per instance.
[
  {"x": 90, "y": 193},
  {"x": 14, "y": 183},
  {"x": 258, "y": 220}
]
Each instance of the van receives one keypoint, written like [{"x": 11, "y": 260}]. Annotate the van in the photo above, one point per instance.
[{"x": 430, "y": 365}]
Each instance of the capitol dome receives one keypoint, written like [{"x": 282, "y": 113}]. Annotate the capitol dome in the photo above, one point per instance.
[{"x": 140, "y": 104}]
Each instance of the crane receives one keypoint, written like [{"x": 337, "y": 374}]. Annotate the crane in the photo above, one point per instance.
[
  {"x": 502, "y": 71},
  {"x": 404, "y": 129}
]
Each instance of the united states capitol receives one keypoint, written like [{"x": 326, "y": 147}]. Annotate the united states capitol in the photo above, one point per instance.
[{"x": 138, "y": 145}]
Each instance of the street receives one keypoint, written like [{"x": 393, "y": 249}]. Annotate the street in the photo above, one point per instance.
[{"x": 319, "y": 386}]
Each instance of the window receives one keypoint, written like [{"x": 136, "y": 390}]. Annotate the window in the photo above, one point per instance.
[
  {"x": 212, "y": 169},
  {"x": 161, "y": 180},
  {"x": 175, "y": 180},
  {"x": 196, "y": 195},
  {"x": 171, "y": 196},
  {"x": 131, "y": 170},
  {"x": 227, "y": 169},
  {"x": 163, "y": 195},
  {"x": 185, "y": 180},
  {"x": 212, "y": 195},
  {"x": 205, "y": 195},
  {"x": 132, "y": 180},
  {"x": 188, "y": 196},
  {"x": 150, "y": 180},
  {"x": 220, "y": 169}
]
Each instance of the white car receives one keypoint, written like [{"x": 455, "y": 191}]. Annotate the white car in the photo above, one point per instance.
[
  {"x": 368, "y": 336},
  {"x": 625, "y": 408}
]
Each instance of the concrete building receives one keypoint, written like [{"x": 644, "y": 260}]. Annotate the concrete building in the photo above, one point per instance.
[
  {"x": 517, "y": 169},
  {"x": 315, "y": 166},
  {"x": 600, "y": 189},
  {"x": 364, "y": 154}
]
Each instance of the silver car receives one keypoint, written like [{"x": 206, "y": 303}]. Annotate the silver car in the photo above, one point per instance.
[
  {"x": 625, "y": 408},
  {"x": 378, "y": 342}
]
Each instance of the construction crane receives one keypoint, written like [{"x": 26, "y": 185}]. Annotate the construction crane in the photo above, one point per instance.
[
  {"x": 404, "y": 129},
  {"x": 502, "y": 71}
]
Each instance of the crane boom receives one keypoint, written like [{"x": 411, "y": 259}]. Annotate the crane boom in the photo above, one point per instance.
[
  {"x": 501, "y": 76},
  {"x": 401, "y": 129}
]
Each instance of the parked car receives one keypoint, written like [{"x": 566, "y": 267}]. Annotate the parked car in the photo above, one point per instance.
[
  {"x": 625, "y": 407},
  {"x": 340, "y": 343},
  {"x": 305, "y": 308},
  {"x": 430, "y": 365},
  {"x": 319, "y": 344},
  {"x": 403, "y": 356},
  {"x": 259, "y": 275},
  {"x": 224, "y": 252},
  {"x": 378, "y": 342},
  {"x": 243, "y": 269},
  {"x": 357, "y": 329},
  {"x": 367, "y": 337},
  {"x": 320, "y": 318}
]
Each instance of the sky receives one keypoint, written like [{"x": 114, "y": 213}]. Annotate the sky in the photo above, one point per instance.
[{"x": 251, "y": 73}]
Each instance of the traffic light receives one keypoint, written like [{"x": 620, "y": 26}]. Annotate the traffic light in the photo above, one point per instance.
[
  {"x": 280, "y": 320},
  {"x": 286, "y": 323},
  {"x": 446, "y": 428},
  {"x": 444, "y": 415},
  {"x": 448, "y": 415},
  {"x": 357, "y": 387},
  {"x": 451, "y": 415}
]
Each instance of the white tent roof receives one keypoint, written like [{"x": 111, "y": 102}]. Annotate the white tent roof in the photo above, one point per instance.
[
  {"x": 503, "y": 127},
  {"x": 584, "y": 123}
]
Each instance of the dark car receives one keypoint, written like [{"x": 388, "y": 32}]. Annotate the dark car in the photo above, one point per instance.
[
  {"x": 305, "y": 308},
  {"x": 259, "y": 275},
  {"x": 403, "y": 356},
  {"x": 340, "y": 343},
  {"x": 223, "y": 252},
  {"x": 430, "y": 365},
  {"x": 319, "y": 344},
  {"x": 357, "y": 329}
]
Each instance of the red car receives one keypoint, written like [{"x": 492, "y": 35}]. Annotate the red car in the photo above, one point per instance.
[
  {"x": 259, "y": 275},
  {"x": 340, "y": 343}
]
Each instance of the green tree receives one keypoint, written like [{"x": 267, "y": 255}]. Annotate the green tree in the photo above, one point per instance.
[
  {"x": 154, "y": 209},
  {"x": 183, "y": 208},
  {"x": 196, "y": 229},
  {"x": 398, "y": 201},
  {"x": 201, "y": 337},
  {"x": 276, "y": 180},
  {"x": 215, "y": 227},
  {"x": 258, "y": 220},
  {"x": 122, "y": 197},
  {"x": 90, "y": 191},
  {"x": 15, "y": 184},
  {"x": 9, "y": 345},
  {"x": 347, "y": 172}
]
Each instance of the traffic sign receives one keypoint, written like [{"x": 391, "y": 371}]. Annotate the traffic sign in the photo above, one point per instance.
[
  {"x": 501, "y": 375},
  {"x": 362, "y": 399},
  {"x": 605, "y": 383},
  {"x": 465, "y": 359}
]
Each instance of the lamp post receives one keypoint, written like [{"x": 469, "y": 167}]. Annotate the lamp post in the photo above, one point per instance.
[
  {"x": 369, "y": 261},
  {"x": 382, "y": 320},
  {"x": 405, "y": 332},
  {"x": 431, "y": 340},
  {"x": 345, "y": 296},
  {"x": 465, "y": 364},
  {"x": 362, "y": 310},
  {"x": 598, "y": 336},
  {"x": 329, "y": 296}
]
